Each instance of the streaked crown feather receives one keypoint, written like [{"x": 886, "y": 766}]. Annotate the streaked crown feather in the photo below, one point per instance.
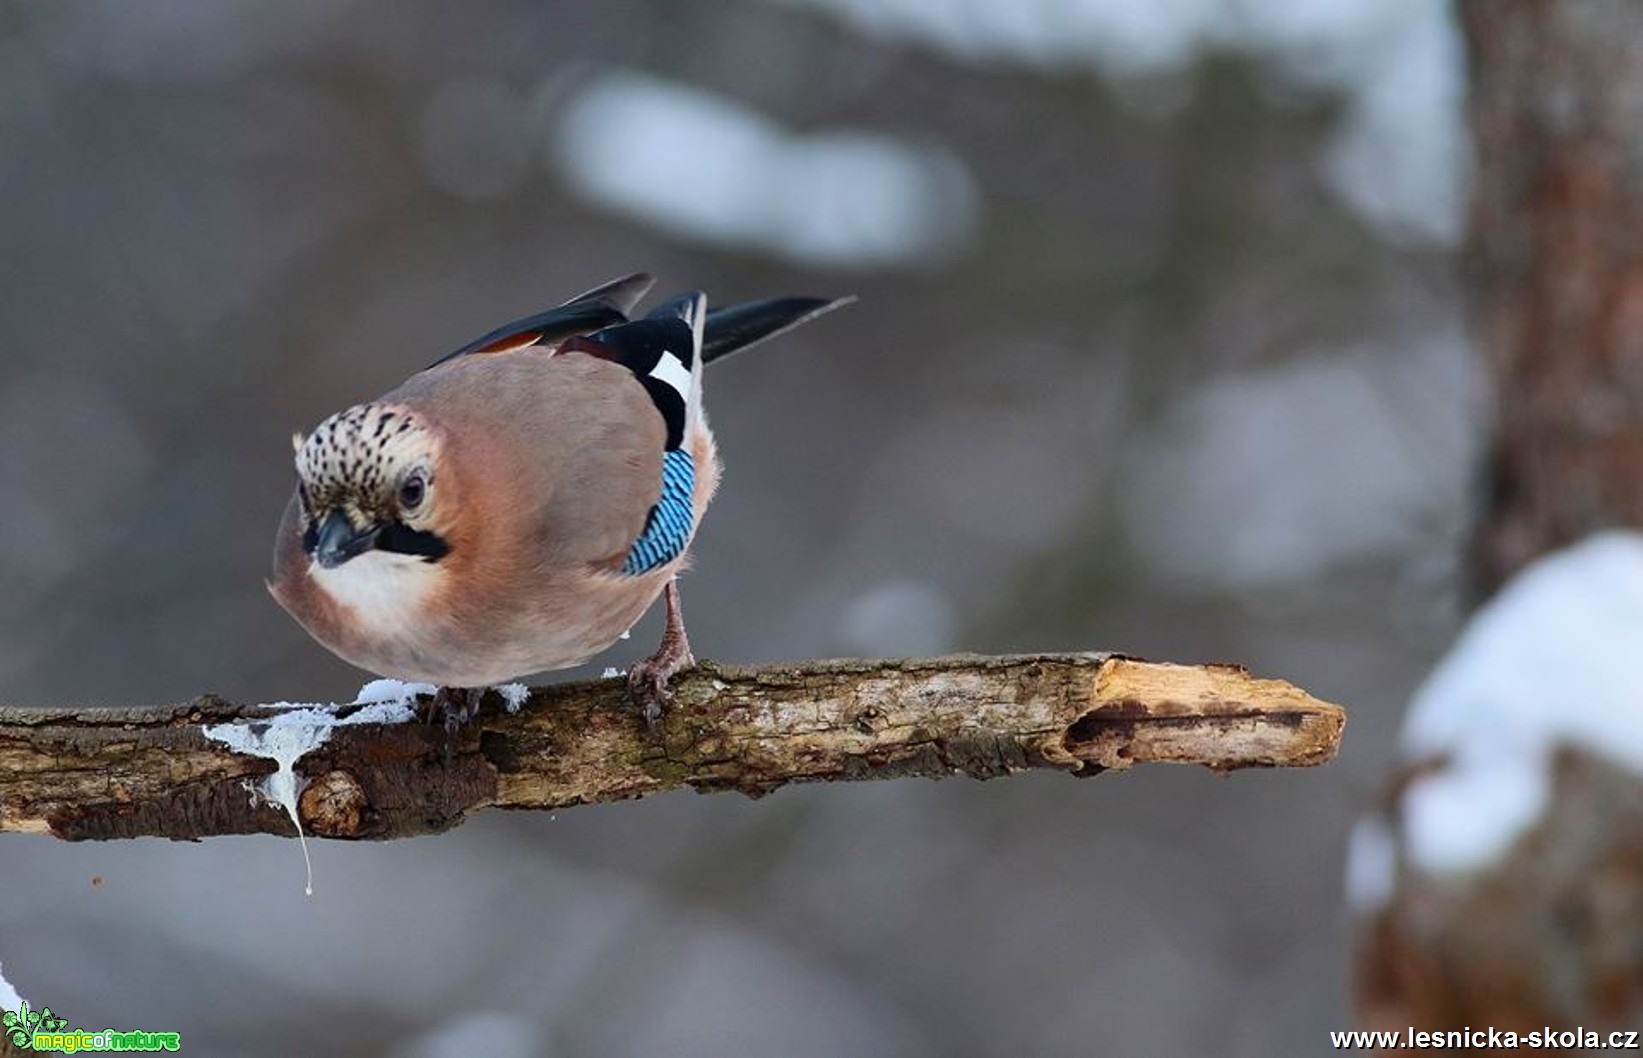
[{"x": 362, "y": 452}]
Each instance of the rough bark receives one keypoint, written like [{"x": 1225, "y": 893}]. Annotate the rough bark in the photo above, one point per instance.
[
  {"x": 130, "y": 772},
  {"x": 1556, "y": 253}
]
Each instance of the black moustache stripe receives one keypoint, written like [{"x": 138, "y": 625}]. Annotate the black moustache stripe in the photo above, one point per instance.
[{"x": 402, "y": 539}]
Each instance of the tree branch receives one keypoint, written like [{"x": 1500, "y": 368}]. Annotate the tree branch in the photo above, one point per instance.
[{"x": 130, "y": 772}]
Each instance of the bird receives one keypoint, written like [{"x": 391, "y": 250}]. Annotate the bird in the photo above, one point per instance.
[{"x": 519, "y": 504}]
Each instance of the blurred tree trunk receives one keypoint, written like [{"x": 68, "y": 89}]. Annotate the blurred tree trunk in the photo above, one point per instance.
[
  {"x": 1557, "y": 259},
  {"x": 1552, "y": 935}
]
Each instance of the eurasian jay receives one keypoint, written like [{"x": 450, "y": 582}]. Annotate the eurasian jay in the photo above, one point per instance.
[{"x": 520, "y": 504}]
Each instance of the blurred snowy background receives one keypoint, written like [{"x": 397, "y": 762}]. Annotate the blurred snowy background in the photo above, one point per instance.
[{"x": 1159, "y": 349}]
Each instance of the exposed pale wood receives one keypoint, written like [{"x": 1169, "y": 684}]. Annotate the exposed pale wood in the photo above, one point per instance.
[{"x": 115, "y": 773}]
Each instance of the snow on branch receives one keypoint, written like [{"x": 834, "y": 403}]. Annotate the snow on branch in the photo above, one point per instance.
[{"x": 84, "y": 773}]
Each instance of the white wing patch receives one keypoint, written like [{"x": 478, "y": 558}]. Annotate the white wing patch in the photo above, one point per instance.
[{"x": 671, "y": 369}]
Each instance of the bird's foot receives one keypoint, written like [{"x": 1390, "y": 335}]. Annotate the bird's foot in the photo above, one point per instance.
[
  {"x": 650, "y": 681},
  {"x": 456, "y": 706}
]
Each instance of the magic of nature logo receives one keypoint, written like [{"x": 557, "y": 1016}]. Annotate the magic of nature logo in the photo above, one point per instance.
[{"x": 41, "y": 1030}]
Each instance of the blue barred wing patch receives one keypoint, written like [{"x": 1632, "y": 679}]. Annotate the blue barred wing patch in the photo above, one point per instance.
[{"x": 667, "y": 530}]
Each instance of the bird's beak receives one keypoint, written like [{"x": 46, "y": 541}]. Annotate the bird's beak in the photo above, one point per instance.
[{"x": 339, "y": 541}]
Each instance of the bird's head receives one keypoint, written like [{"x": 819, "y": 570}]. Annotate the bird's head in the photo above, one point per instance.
[{"x": 367, "y": 480}]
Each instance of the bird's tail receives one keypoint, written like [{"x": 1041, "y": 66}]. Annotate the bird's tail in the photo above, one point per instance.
[{"x": 737, "y": 327}]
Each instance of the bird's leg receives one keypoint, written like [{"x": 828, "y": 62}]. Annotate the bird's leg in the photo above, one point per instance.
[
  {"x": 648, "y": 680},
  {"x": 456, "y": 705}
]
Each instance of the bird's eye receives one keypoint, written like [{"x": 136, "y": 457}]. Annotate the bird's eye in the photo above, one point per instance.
[{"x": 412, "y": 492}]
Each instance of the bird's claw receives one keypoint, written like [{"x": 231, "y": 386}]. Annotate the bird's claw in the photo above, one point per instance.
[
  {"x": 455, "y": 706},
  {"x": 649, "y": 682}
]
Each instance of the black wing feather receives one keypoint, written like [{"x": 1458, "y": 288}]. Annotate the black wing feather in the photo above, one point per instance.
[
  {"x": 601, "y": 315},
  {"x": 603, "y": 306}
]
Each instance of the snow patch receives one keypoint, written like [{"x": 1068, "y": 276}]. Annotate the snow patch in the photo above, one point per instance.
[
  {"x": 9, "y": 999},
  {"x": 303, "y": 728},
  {"x": 497, "y": 1033},
  {"x": 397, "y": 691},
  {"x": 514, "y": 695},
  {"x": 1371, "y": 865},
  {"x": 1551, "y": 661},
  {"x": 1398, "y": 155},
  {"x": 1236, "y": 486},
  {"x": 611, "y": 674},
  {"x": 711, "y": 168}
]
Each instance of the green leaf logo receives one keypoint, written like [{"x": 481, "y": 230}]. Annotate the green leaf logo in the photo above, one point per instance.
[{"x": 19, "y": 1025}]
